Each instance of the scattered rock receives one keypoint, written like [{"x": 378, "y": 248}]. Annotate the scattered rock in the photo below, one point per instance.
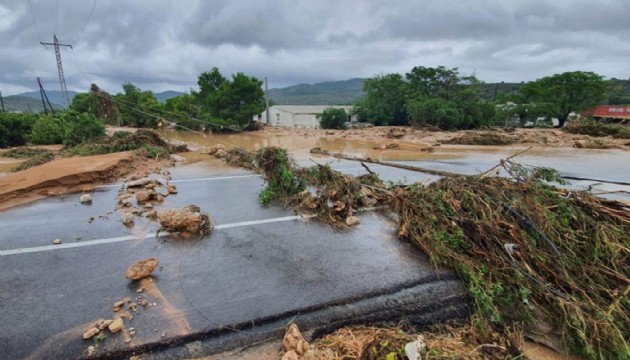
[
  {"x": 85, "y": 199},
  {"x": 188, "y": 219},
  {"x": 293, "y": 341},
  {"x": 172, "y": 189},
  {"x": 57, "y": 242},
  {"x": 127, "y": 219},
  {"x": 352, "y": 220},
  {"x": 415, "y": 348},
  {"x": 220, "y": 154},
  {"x": 140, "y": 183},
  {"x": 118, "y": 305},
  {"x": 148, "y": 206},
  {"x": 213, "y": 150},
  {"x": 90, "y": 333},
  {"x": 149, "y": 186},
  {"x": 91, "y": 350},
  {"x": 133, "y": 307},
  {"x": 290, "y": 355},
  {"x": 141, "y": 269},
  {"x": 116, "y": 325},
  {"x": 105, "y": 324},
  {"x": 132, "y": 331},
  {"x": 90, "y": 219},
  {"x": 144, "y": 196}
]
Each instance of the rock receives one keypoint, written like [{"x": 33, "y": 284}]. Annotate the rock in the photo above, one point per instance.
[
  {"x": 213, "y": 150},
  {"x": 293, "y": 341},
  {"x": 144, "y": 196},
  {"x": 290, "y": 355},
  {"x": 139, "y": 183},
  {"x": 415, "y": 348},
  {"x": 141, "y": 269},
  {"x": 127, "y": 218},
  {"x": 85, "y": 199},
  {"x": 220, "y": 154},
  {"x": 172, "y": 189},
  {"x": 116, "y": 325},
  {"x": 149, "y": 186},
  {"x": 338, "y": 206},
  {"x": 90, "y": 350},
  {"x": 105, "y": 324},
  {"x": 90, "y": 219},
  {"x": 90, "y": 333},
  {"x": 148, "y": 206},
  {"x": 57, "y": 241},
  {"x": 352, "y": 220}
]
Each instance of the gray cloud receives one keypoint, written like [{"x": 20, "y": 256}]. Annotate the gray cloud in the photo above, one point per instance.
[{"x": 162, "y": 44}]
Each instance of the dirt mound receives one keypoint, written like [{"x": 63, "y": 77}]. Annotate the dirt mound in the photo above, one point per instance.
[
  {"x": 483, "y": 138},
  {"x": 61, "y": 177}
]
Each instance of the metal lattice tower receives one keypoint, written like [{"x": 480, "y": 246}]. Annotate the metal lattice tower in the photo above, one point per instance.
[{"x": 62, "y": 79}]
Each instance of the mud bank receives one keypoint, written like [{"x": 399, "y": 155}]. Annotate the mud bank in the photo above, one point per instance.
[{"x": 61, "y": 176}]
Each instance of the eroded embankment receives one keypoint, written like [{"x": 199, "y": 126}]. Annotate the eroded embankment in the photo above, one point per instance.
[{"x": 61, "y": 176}]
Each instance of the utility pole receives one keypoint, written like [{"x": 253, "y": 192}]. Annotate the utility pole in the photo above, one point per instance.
[
  {"x": 267, "y": 101},
  {"x": 2, "y": 102},
  {"x": 62, "y": 79},
  {"x": 42, "y": 93}
]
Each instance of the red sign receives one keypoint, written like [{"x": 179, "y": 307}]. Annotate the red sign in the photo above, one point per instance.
[{"x": 609, "y": 111}]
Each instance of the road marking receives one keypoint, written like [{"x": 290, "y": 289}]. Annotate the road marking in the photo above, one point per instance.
[
  {"x": 192, "y": 180},
  {"x": 36, "y": 249}
]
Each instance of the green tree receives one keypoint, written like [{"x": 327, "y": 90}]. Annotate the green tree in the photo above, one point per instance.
[
  {"x": 209, "y": 82},
  {"x": 566, "y": 93},
  {"x": 236, "y": 101},
  {"x": 85, "y": 103},
  {"x": 186, "y": 107},
  {"x": 14, "y": 128},
  {"x": 384, "y": 101},
  {"x": 137, "y": 108},
  {"x": 333, "y": 118}
]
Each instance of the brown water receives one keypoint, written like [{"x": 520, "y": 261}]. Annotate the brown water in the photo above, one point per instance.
[{"x": 301, "y": 145}]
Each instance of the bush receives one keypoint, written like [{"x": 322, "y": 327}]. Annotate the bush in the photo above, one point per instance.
[
  {"x": 48, "y": 130},
  {"x": 14, "y": 128},
  {"x": 69, "y": 128},
  {"x": 594, "y": 128},
  {"x": 333, "y": 118}
]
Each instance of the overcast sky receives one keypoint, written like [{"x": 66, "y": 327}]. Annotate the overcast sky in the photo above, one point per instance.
[{"x": 160, "y": 44}]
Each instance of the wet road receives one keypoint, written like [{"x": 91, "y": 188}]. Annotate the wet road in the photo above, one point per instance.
[{"x": 261, "y": 267}]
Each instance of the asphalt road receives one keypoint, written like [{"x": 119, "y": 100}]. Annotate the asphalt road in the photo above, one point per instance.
[{"x": 262, "y": 267}]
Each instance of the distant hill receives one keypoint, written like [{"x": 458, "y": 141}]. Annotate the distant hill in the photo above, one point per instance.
[
  {"x": 165, "y": 95},
  {"x": 26, "y": 104},
  {"x": 54, "y": 96},
  {"x": 325, "y": 93}
]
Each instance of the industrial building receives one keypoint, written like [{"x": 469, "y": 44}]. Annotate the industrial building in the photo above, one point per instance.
[{"x": 299, "y": 116}]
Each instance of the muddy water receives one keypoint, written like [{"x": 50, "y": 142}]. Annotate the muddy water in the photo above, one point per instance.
[{"x": 607, "y": 165}]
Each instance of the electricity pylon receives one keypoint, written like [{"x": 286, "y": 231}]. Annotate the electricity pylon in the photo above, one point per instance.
[{"x": 62, "y": 79}]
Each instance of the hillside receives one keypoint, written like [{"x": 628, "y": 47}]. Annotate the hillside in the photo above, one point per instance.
[
  {"x": 326, "y": 93},
  {"x": 26, "y": 104},
  {"x": 54, "y": 96}
]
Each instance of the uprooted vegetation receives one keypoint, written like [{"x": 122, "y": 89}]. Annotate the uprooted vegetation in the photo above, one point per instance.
[
  {"x": 598, "y": 129},
  {"x": 536, "y": 258},
  {"x": 147, "y": 143},
  {"x": 483, "y": 138},
  {"x": 34, "y": 156}
]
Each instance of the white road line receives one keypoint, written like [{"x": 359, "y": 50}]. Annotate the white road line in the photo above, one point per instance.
[
  {"x": 36, "y": 249},
  {"x": 192, "y": 180}
]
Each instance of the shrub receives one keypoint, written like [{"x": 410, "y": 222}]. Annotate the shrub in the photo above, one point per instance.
[
  {"x": 594, "y": 128},
  {"x": 14, "y": 128},
  {"x": 48, "y": 130},
  {"x": 333, "y": 118},
  {"x": 82, "y": 128}
]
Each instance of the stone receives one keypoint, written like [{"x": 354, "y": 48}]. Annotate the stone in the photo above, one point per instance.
[
  {"x": 290, "y": 355},
  {"x": 144, "y": 196},
  {"x": 172, "y": 189},
  {"x": 105, "y": 324},
  {"x": 293, "y": 341},
  {"x": 415, "y": 348},
  {"x": 127, "y": 218},
  {"x": 148, "y": 206},
  {"x": 220, "y": 154},
  {"x": 141, "y": 269},
  {"x": 57, "y": 242},
  {"x": 90, "y": 333},
  {"x": 116, "y": 325},
  {"x": 85, "y": 199},
  {"x": 352, "y": 220},
  {"x": 139, "y": 183}
]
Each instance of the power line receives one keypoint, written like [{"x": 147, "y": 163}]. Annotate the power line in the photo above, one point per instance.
[
  {"x": 34, "y": 22},
  {"x": 86, "y": 22}
]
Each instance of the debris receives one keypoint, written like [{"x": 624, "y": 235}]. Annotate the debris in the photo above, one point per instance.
[
  {"x": 352, "y": 220},
  {"x": 57, "y": 242},
  {"x": 144, "y": 196},
  {"x": 483, "y": 138},
  {"x": 240, "y": 157},
  {"x": 189, "y": 219},
  {"x": 140, "y": 183},
  {"x": 132, "y": 331},
  {"x": 148, "y": 206},
  {"x": 85, "y": 199},
  {"x": 290, "y": 355},
  {"x": 105, "y": 324},
  {"x": 91, "y": 350},
  {"x": 90, "y": 219},
  {"x": 172, "y": 189},
  {"x": 319, "y": 151},
  {"x": 213, "y": 150},
  {"x": 220, "y": 154},
  {"x": 293, "y": 340},
  {"x": 118, "y": 305},
  {"x": 127, "y": 219},
  {"x": 90, "y": 333},
  {"x": 141, "y": 269},
  {"x": 415, "y": 348},
  {"x": 116, "y": 325}
]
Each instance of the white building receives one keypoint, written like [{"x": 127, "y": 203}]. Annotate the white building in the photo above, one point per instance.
[{"x": 299, "y": 116}]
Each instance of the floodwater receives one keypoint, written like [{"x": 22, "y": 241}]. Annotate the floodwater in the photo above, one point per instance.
[{"x": 603, "y": 166}]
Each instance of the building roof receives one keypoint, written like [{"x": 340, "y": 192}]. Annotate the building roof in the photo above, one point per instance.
[
  {"x": 308, "y": 109},
  {"x": 609, "y": 111}
]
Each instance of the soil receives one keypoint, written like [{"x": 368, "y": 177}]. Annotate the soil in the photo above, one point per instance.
[{"x": 71, "y": 175}]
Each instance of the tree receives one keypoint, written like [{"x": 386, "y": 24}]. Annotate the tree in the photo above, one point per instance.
[
  {"x": 384, "y": 101},
  {"x": 137, "y": 108},
  {"x": 333, "y": 118},
  {"x": 237, "y": 100},
  {"x": 209, "y": 82},
  {"x": 566, "y": 93},
  {"x": 186, "y": 107},
  {"x": 85, "y": 103}
]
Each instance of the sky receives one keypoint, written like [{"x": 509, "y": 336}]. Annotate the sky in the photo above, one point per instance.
[{"x": 163, "y": 45}]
